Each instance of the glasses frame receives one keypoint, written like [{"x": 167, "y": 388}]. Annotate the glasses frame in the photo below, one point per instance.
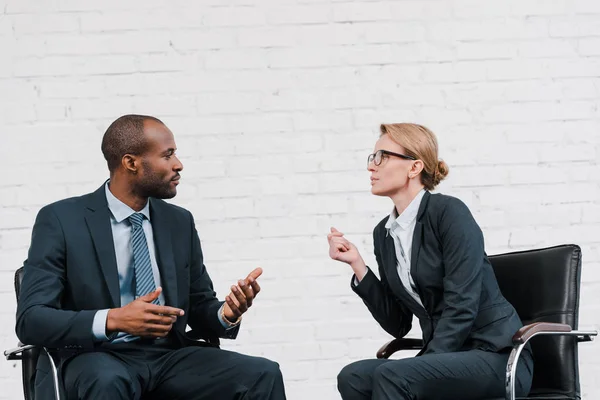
[{"x": 373, "y": 156}]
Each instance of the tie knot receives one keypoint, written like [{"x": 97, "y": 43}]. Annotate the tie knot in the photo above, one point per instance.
[{"x": 136, "y": 219}]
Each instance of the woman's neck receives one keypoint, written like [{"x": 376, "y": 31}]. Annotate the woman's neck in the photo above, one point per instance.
[{"x": 405, "y": 196}]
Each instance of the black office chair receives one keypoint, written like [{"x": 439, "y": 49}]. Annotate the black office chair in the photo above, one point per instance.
[
  {"x": 29, "y": 354},
  {"x": 543, "y": 286}
]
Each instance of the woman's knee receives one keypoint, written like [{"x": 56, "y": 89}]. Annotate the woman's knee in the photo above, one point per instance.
[
  {"x": 354, "y": 380},
  {"x": 391, "y": 373}
]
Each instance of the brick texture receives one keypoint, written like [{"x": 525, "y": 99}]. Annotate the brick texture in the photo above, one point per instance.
[{"x": 275, "y": 106}]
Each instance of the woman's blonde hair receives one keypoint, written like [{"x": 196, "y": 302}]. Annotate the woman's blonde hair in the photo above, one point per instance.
[{"x": 421, "y": 143}]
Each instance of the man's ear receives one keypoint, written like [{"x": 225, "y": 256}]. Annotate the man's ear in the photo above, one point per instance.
[{"x": 130, "y": 163}]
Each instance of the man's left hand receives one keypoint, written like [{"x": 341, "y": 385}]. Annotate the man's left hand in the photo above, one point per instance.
[{"x": 240, "y": 299}]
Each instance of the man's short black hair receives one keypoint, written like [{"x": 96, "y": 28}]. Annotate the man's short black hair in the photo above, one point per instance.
[{"x": 125, "y": 136}]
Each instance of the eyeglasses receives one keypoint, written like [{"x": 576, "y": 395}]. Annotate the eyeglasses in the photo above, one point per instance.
[{"x": 377, "y": 157}]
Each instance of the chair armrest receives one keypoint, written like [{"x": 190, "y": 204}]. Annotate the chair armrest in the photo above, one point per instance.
[
  {"x": 17, "y": 352},
  {"x": 399, "y": 344},
  {"x": 195, "y": 339},
  {"x": 550, "y": 328},
  {"x": 528, "y": 331}
]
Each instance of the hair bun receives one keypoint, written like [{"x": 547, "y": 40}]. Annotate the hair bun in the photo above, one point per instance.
[{"x": 440, "y": 172}]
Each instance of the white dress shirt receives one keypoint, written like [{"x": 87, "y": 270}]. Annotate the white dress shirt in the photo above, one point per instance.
[
  {"x": 401, "y": 228},
  {"x": 121, "y": 232}
]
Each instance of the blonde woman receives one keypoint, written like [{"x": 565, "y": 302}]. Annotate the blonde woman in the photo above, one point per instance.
[{"x": 432, "y": 263}]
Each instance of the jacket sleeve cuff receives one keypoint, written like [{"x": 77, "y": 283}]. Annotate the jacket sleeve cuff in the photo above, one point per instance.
[
  {"x": 224, "y": 322},
  {"x": 366, "y": 283}
]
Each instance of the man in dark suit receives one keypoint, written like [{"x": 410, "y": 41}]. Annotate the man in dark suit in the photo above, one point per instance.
[{"x": 114, "y": 277}]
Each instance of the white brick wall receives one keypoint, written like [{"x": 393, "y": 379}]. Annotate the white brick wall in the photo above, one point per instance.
[{"x": 275, "y": 105}]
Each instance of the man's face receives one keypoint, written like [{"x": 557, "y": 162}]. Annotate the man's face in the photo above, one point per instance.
[{"x": 158, "y": 174}]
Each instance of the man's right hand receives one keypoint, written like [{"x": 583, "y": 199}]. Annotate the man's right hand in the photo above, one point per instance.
[{"x": 143, "y": 318}]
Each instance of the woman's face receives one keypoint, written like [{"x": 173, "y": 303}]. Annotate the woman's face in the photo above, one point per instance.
[{"x": 392, "y": 175}]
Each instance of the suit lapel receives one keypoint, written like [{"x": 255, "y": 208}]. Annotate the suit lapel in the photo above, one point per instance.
[
  {"x": 161, "y": 230},
  {"x": 418, "y": 237},
  {"x": 392, "y": 262},
  {"x": 391, "y": 271},
  {"x": 98, "y": 222},
  {"x": 416, "y": 248}
]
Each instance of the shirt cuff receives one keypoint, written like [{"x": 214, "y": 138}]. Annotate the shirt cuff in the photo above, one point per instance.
[
  {"x": 99, "y": 326},
  {"x": 224, "y": 322}
]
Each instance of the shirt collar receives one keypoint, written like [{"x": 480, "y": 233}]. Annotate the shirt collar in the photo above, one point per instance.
[
  {"x": 120, "y": 210},
  {"x": 408, "y": 215}
]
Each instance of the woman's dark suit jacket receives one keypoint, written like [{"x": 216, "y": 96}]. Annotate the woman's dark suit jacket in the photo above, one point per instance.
[{"x": 464, "y": 308}]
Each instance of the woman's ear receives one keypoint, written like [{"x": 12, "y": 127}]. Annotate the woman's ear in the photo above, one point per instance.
[{"x": 415, "y": 169}]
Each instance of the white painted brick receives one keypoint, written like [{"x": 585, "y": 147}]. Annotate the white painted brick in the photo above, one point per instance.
[
  {"x": 587, "y": 6},
  {"x": 480, "y": 176},
  {"x": 65, "y": 66},
  {"x": 234, "y": 16},
  {"x": 165, "y": 106},
  {"x": 45, "y": 23},
  {"x": 304, "y": 14},
  {"x": 540, "y": 7},
  {"x": 167, "y": 62},
  {"x": 314, "y": 35},
  {"x": 589, "y": 46},
  {"x": 554, "y": 153},
  {"x": 328, "y": 204},
  {"x": 11, "y": 113},
  {"x": 476, "y": 8},
  {"x": 84, "y": 109},
  {"x": 136, "y": 20},
  {"x": 251, "y": 166},
  {"x": 236, "y": 59},
  {"x": 421, "y": 10},
  {"x": 336, "y": 121},
  {"x": 570, "y": 68},
  {"x": 300, "y": 184},
  {"x": 547, "y": 48},
  {"x": 303, "y": 57},
  {"x": 353, "y": 12},
  {"x": 303, "y": 163},
  {"x": 227, "y": 103},
  {"x": 371, "y": 119},
  {"x": 69, "y": 88},
  {"x": 376, "y": 54},
  {"x": 213, "y": 38},
  {"x": 484, "y": 50},
  {"x": 388, "y": 32},
  {"x": 284, "y": 36},
  {"x": 574, "y": 27},
  {"x": 488, "y": 29}
]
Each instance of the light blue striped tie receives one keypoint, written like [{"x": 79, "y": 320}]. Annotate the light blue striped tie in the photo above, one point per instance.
[{"x": 144, "y": 278}]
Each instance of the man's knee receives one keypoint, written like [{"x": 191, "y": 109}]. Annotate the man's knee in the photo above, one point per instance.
[
  {"x": 265, "y": 367},
  {"x": 110, "y": 381},
  {"x": 100, "y": 384}
]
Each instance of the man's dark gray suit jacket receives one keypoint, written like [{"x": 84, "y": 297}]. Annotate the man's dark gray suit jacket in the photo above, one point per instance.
[
  {"x": 71, "y": 272},
  {"x": 463, "y": 306}
]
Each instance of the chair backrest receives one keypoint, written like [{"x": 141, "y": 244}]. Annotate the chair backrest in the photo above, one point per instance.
[
  {"x": 543, "y": 286},
  {"x": 30, "y": 357}
]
